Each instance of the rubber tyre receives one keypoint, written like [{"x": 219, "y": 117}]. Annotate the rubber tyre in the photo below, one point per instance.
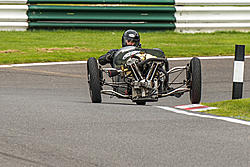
[
  {"x": 94, "y": 80},
  {"x": 141, "y": 103},
  {"x": 167, "y": 69},
  {"x": 195, "y": 74}
]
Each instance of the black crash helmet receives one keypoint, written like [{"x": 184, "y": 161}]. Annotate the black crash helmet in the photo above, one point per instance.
[{"x": 131, "y": 35}]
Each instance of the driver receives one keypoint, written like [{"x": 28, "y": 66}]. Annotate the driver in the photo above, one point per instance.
[{"x": 129, "y": 38}]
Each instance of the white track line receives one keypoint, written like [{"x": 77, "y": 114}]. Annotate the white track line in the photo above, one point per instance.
[
  {"x": 43, "y": 64},
  {"x": 233, "y": 120},
  {"x": 84, "y": 62},
  {"x": 206, "y": 58}
]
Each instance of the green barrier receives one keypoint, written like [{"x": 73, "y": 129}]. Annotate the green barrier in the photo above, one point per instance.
[
  {"x": 91, "y": 13},
  {"x": 55, "y": 25},
  {"x": 146, "y": 2}
]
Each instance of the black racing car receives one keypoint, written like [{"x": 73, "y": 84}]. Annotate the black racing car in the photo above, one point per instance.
[{"x": 143, "y": 75}]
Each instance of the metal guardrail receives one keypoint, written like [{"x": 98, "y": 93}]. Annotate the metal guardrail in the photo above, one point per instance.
[
  {"x": 13, "y": 17},
  {"x": 87, "y": 13},
  {"x": 144, "y": 2},
  {"x": 136, "y": 25},
  {"x": 143, "y": 16},
  {"x": 13, "y": 2},
  {"x": 13, "y": 13},
  {"x": 13, "y": 26},
  {"x": 224, "y": 14},
  {"x": 212, "y": 2},
  {"x": 211, "y": 27},
  {"x": 101, "y": 17},
  {"x": 212, "y": 18}
]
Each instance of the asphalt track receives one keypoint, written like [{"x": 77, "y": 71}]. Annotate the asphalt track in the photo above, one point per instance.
[{"x": 46, "y": 119}]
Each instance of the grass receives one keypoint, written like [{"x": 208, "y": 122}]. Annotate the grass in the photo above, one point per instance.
[
  {"x": 70, "y": 45},
  {"x": 239, "y": 109}
]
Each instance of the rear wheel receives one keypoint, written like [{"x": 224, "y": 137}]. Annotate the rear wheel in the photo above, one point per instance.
[
  {"x": 94, "y": 80},
  {"x": 167, "y": 77},
  {"x": 195, "y": 80}
]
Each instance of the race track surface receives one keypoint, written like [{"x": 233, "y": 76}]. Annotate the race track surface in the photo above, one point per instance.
[{"x": 47, "y": 119}]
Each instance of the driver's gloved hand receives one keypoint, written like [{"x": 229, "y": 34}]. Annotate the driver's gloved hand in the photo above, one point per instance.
[
  {"x": 102, "y": 60},
  {"x": 108, "y": 57}
]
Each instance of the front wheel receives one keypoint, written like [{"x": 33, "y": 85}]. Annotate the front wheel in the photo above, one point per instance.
[
  {"x": 195, "y": 80},
  {"x": 94, "y": 80}
]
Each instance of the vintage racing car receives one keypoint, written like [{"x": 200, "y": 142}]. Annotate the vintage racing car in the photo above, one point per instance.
[{"x": 143, "y": 75}]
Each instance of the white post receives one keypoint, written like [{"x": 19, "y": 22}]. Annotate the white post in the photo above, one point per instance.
[{"x": 238, "y": 71}]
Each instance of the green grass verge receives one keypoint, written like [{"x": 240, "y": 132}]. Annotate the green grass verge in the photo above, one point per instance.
[
  {"x": 70, "y": 45},
  {"x": 239, "y": 109}
]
